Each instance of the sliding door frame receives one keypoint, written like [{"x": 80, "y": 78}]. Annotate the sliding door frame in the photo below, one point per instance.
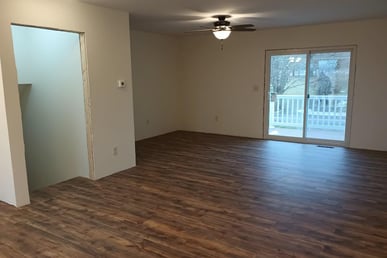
[{"x": 308, "y": 52}]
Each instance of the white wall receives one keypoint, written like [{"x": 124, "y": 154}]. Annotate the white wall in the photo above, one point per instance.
[
  {"x": 6, "y": 179},
  {"x": 108, "y": 58},
  {"x": 53, "y": 110},
  {"x": 230, "y": 83},
  {"x": 155, "y": 84}
]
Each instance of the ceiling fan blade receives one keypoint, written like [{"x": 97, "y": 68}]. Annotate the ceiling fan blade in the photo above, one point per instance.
[
  {"x": 242, "y": 26},
  {"x": 204, "y": 30},
  {"x": 243, "y": 29}
]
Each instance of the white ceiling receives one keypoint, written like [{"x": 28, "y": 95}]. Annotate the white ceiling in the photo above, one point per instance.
[{"x": 177, "y": 16}]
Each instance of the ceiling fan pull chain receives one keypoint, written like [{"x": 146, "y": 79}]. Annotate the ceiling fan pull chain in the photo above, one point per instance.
[{"x": 221, "y": 45}]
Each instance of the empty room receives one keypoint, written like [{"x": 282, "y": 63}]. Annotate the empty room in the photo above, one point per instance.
[{"x": 161, "y": 128}]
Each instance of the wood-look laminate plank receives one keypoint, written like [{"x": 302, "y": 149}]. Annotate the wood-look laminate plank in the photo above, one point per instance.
[{"x": 203, "y": 195}]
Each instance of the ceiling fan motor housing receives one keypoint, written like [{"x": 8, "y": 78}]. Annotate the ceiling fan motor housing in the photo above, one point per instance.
[{"x": 222, "y": 23}]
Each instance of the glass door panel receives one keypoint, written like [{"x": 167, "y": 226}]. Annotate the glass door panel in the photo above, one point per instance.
[
  {"x": 287, "y": 95},
  {"x": 327, "y": 97}
]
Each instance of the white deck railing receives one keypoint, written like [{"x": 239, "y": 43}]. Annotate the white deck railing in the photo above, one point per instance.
[{"x": 324, "y": 112}]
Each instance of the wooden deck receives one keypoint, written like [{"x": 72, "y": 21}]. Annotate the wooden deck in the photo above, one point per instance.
[{"x": 199, "y": 195}]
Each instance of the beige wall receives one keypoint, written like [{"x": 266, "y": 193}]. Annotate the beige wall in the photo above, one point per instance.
[
  {"x": 223, "y": 91},
  {"x": 7, "y": 189},
  {"x": 155, "y": 84},
  {"x": 108, "y": 57},
  {"x": 230, "y": 83}
]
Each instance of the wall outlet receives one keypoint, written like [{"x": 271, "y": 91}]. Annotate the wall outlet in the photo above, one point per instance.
[
  {"x": 121, "y": 83},
  {"x": 115, "y": 151}
]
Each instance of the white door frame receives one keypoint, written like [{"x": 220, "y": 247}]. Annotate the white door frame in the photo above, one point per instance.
[{"x": 87, "y": 104}]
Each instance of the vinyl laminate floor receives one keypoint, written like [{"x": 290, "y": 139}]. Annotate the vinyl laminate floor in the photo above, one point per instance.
[{"x": 200, "y": 195}]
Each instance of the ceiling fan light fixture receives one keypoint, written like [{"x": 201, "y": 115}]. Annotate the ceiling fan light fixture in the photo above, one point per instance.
[{"x": 222, "y": 34}]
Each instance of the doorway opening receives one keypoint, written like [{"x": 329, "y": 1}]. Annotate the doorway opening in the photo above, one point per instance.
[
  {"x": 309, "y": 95},
  {"x": 53, "y": 90}
]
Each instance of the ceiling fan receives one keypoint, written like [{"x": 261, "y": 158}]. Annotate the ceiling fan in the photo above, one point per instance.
[{"x": 222, "y": 28}]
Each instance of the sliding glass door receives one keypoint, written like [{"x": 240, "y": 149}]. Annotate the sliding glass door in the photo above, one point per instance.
[{"x": 308, "y": 95}]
